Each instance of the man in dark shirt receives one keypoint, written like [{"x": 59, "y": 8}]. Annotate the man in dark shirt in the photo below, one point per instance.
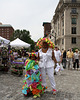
[{"x": 64, "y": 59}]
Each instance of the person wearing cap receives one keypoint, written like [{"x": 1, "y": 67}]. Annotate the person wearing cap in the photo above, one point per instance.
[
  {"x": 58, "y": 54},
  {"x": 76, "y": 59},
  {"x": 69, "y": 58},
  {"x": 46, "y": 64}
]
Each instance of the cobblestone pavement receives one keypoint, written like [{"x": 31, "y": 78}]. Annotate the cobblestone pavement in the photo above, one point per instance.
[{"x": 67, "y": 83}]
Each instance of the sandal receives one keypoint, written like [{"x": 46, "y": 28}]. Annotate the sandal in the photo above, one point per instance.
[{"x": 54, "y": 91}]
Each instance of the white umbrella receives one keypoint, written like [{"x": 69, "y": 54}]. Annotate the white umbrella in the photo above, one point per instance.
[{"x": 17, "y": 43}]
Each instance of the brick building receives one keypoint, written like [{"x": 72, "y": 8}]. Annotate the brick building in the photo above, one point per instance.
[
  {"x": 47, "y": 28},
  {"x": 6, "y": 30}
]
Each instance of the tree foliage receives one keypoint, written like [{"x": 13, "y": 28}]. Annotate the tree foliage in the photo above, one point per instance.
[{"x": 25, "y": 36}]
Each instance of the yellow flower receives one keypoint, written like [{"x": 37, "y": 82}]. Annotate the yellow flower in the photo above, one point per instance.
[
  {"x": 31, "y": 88},
  {"x": 30, "y": 78},
  {"x": 25, "y": 75}
]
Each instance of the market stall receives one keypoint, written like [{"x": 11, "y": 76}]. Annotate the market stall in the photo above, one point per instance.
[
  {"x": 4, "y": 62},
  {"x": 17, "y": 67}
]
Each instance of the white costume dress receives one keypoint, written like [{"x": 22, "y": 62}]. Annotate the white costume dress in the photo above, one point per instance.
[{"x": 46, "y": 65}]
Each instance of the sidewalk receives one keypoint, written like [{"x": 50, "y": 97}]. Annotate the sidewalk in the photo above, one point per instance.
[{"x": 67, "y": 83}]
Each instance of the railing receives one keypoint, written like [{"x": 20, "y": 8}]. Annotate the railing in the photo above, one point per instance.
[
  {"x": 74, "y": 13},
  {"x": 76, "y": 2}
]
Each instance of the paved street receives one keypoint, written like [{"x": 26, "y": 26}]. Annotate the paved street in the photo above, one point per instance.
[{"x": 67, "y": 83}]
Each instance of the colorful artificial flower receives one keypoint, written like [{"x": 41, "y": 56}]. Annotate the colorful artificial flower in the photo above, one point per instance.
[
  {"x": 35, "y": 91},
  {"x": 40, "y": 41},
  {"x": 32, "y": 54}
]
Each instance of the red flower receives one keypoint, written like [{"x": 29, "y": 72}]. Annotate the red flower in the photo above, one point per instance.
[
  {"x": 36, "y": 91},
  {"x": 34, "y": 85}
]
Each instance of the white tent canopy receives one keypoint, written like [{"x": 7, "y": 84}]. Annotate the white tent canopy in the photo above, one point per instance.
[
  {"x": 3, "y": 45},
  {"x": 17, "y": 43},
  {"x": 4, "y": 41}
]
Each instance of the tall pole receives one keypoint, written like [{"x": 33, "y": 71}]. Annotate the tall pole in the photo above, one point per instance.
[{"x": 55, "y": 38}]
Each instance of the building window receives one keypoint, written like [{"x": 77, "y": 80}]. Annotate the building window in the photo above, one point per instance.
[
  {"x": 2, "y": 34},
  {"x": 73, "y": 20},
  {"x": 73, "y": 40},
  {"x": 62, "y": 41},
  {"x": 63, "y": 23},
  {"x": 7, "y": 36},
  {"x": 7, "y": 28},
  {"x": 73, "y": 0},
  {"x": 74, "y": 11},
  {"x": 73, "y": 30},
  {"x": 63, "y": 32}
]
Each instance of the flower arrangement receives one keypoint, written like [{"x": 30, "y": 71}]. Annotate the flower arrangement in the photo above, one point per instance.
[
  {"x": 17, "y": 67},
  {"x": 16, "y": 71},
  {"x": 50, "y": 43},
  {"x": 32, "y": 81}
]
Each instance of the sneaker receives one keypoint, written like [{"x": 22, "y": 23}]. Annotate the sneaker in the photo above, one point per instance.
[
  {"x": 55, "y": 73},
  {"x": 54, "y": 91},
  {"x": 45, "y": 89},
  {"x": 25, "y": 95}
]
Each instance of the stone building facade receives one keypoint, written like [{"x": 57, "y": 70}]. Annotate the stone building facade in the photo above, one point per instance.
[{"x": 65, "y": 24}]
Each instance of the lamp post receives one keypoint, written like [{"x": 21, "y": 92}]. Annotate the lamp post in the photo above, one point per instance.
[{"x": 54, "y": 37}]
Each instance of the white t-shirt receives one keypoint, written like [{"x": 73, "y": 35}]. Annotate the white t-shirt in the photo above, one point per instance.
[
  {"x": 46, "y": 59},
  {"x": 76, "y": 55},
  {"x": 57, "y": 55},
  {"x": 15, "y": 54}
]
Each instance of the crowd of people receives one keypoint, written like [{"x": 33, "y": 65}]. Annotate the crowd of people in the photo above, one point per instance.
[
  {"x": 7, "y": 56},
  {"x": 66, "y": 58},
  {"x": 12, "y": 54},
  {"x": 49, "y": 60},
  {"x": 71, "y": 60}
]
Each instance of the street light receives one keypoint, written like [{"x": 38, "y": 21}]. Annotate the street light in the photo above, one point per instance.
[{"x": 54, "y": 37}]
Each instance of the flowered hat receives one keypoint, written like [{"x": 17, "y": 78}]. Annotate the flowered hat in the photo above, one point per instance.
[
  {"x": 33, "y": 54},
  {"x": 76, "y": 50},
  {"x": 40, "y": 42}
]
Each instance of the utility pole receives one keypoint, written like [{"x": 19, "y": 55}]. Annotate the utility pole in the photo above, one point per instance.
[{"x": 54, "y": 37}]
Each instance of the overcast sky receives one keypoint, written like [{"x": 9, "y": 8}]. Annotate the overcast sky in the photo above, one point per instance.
[{"x": 28, "y": 14}]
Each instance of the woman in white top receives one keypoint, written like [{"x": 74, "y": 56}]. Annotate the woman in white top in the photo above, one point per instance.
[
  {"x": 46, "y": 63},
  {"x": 76, "y": 59},
  {"x": 15, "y": 54}
]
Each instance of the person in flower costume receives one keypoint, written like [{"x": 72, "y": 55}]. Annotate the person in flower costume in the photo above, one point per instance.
[
  {"x": 32, "y": 81},
  {"x": 46, "y": 61}
]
